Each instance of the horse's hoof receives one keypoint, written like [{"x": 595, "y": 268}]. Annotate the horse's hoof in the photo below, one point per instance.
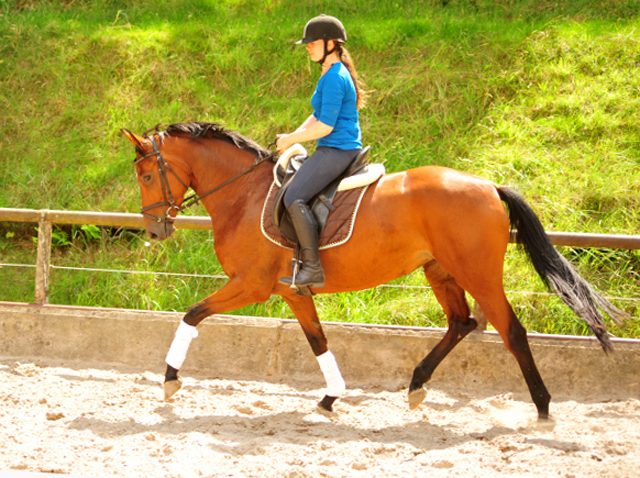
[
  {"x": 416, "y": 397},
  {"x": 171, "y": 388},
  {"x": 547, "y": 424},
  {"x": 327, "y": 403}
]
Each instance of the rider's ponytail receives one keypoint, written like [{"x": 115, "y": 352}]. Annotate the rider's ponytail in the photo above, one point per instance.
[{"x": 345, "y": 57}]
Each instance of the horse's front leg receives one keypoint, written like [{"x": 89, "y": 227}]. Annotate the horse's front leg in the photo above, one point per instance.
[
  {"x": 233, "y": 295},
  {"x": 305, "y": 311}
]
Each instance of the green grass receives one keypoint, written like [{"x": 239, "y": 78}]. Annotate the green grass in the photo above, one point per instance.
[{"x": 543, "y": 96}]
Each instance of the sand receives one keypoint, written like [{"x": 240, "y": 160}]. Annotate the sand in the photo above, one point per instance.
[{"x": 113, "y": 422}]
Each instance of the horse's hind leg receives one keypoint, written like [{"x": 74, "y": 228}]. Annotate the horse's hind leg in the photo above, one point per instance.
[
  {"x": 490, "y": 296},
  {"x": 452, "y": 299},
  {"x": 500, "y": 314}
]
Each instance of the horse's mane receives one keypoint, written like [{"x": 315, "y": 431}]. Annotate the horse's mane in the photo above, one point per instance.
[{"x": 202, "y": 129}]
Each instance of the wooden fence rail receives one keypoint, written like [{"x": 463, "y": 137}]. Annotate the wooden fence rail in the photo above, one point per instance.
[{"x": 45, "y": 219}]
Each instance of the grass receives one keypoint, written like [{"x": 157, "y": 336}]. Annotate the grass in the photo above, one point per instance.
[{"x": 542, "y": 96}]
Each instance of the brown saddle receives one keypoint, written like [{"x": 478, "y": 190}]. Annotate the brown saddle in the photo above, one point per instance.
[
  {"x": 340, "y": 207},
  {"x": 338, "y": 225},
  {"x": 335, "y": 208}
]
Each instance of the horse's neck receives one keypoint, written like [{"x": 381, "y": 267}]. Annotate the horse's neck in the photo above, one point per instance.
[{"x": 215, "y": 165}]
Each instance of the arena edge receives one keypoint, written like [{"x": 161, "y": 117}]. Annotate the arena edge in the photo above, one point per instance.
[{"x": 249, "y": 348}]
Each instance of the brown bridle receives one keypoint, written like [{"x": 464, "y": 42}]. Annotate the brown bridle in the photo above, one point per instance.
[{"x": 163, "y": 167}]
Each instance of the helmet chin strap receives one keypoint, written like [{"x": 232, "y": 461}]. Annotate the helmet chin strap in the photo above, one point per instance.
[{"x": 326, "y": 52}]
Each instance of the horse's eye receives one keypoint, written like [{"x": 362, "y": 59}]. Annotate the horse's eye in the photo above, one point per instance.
[{"x": 146, "y": 178}]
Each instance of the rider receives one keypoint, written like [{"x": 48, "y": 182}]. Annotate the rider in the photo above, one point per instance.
[{"x": 335, "y": 124}]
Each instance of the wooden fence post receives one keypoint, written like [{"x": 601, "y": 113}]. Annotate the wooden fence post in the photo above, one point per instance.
[{"x": 43, "y": 260}]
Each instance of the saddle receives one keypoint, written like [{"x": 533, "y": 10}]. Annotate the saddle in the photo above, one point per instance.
[{"x": 358, "y": 174}]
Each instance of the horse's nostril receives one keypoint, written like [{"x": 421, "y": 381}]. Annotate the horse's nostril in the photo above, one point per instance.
[{"x": 153, "y": 235}]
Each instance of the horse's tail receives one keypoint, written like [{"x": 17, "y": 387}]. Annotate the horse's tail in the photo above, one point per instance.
[{"x": 555, "y": 271}]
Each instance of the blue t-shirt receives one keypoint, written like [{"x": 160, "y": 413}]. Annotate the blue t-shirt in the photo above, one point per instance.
[{"x": 334, "y": 104}]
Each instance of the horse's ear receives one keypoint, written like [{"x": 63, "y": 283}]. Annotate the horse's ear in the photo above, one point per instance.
[{"x": 134, "y": 138}]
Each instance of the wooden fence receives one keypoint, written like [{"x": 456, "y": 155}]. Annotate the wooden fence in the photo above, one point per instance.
[{"x": 45, "y": 219}]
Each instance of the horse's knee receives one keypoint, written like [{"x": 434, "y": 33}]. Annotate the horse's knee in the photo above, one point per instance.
[
  {"x": 196, "y": 314},
  {"x": 462, "y": 328},
  {"x": 319, "y": 344},
  {"x": 315, "y": 336}
]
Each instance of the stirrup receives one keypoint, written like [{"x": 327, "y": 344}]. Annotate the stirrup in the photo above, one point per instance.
[
  {"x": 297, "y": 268},
  {"x": 291, "y": 281}
]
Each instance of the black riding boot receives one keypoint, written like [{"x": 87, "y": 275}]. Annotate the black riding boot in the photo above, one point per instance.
[{"x": 306, "y": 226}]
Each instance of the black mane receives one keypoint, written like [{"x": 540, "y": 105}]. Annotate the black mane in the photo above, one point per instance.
[{"x": 201, "y": 129}]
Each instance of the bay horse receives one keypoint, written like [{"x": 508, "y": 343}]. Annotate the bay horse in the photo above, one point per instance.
[{"x": 452, "y": 224}]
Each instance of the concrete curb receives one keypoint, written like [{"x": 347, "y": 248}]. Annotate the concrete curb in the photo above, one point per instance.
[{"x": 246, "y": 348}]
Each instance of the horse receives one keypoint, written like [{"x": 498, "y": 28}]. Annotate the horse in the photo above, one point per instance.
[{"x": 452, "y": 224}]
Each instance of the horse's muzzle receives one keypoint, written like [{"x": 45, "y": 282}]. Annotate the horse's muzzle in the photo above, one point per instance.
[{"x": 160, "y": 231}]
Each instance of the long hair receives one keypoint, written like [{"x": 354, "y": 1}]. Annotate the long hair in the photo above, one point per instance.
[
  {"x": 555, "y": 271},
  {"x": 345, "y": 57}
]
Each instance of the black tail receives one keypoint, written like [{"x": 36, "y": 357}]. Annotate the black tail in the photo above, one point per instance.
[{"x": 556, "y": 272}]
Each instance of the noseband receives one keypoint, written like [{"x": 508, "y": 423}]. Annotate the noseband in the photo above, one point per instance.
[{"x": 169, "y": 201}]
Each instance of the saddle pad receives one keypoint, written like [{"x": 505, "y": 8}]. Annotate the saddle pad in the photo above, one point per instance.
[{"x": 339, "y": 223}]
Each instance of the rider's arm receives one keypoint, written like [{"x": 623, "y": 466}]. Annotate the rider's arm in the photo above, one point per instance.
[
  {"x": 310, "y": 130},
  {"x": 308, "y": 122}
]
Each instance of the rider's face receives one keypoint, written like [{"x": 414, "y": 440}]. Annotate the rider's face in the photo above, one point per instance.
[{"x": 316, "y": 49}]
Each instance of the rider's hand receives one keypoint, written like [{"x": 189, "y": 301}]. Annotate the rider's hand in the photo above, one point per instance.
[{"x": 282, "y": 143}]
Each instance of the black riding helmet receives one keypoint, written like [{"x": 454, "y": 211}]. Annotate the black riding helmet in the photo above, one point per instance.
[{"x": 324, "y": 27}]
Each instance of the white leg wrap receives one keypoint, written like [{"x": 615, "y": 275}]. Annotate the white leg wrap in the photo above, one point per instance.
[
  {"x": 178, "y": 351},
  {"x": 335, "y": 383}
]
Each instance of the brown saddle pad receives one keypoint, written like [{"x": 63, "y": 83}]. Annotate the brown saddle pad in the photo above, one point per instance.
[{"x": 339, "y": 225}]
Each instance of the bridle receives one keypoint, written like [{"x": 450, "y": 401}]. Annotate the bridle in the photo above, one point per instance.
[{"x": 169, "y": 200}]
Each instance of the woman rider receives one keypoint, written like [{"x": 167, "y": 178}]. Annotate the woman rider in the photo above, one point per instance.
[{"x": 335, "y": 125}]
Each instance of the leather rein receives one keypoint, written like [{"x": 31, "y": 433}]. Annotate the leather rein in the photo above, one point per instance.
[{"x": 163, "y": 167}]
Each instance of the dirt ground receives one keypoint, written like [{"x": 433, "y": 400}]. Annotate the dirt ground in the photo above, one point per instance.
[{"x": 112, "y": 422}]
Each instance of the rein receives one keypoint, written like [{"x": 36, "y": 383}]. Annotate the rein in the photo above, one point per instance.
[{"x": 163, "y": 166}]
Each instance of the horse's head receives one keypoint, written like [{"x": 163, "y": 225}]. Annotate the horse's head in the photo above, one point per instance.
[{"x": 161, "y": 187}]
